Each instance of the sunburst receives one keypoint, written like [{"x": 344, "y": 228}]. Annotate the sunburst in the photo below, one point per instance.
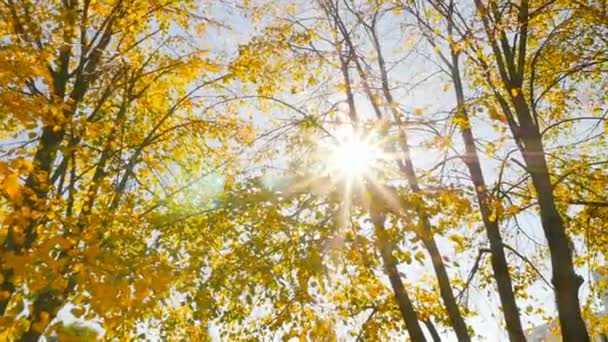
[{"x": 354, "y": 157}]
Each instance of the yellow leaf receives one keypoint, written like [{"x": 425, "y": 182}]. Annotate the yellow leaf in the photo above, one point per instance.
[
  {"x": 78, "y": 312},
  {"x": 11, "y": 186},
  {"x": 490, "y": 148},
  {"x": 492, "y": 217},
  {"x": 407, "y": 256},
  {"x": 23, "y": 165},
  {"x": 419, "y": 256},
  {"x": 457, "y": 238},
  {"x": 209, "y": 66}
]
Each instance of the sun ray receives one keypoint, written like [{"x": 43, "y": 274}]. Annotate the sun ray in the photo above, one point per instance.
[
  {"x": 356, "y": 161},
  {"x": 353, "y": 157}
]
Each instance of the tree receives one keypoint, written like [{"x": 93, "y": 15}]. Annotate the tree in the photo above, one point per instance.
[
  {"x": 452, "y": 60},
  {"x": 516, "y": 71},
  {"x": 77, "y": 332},
  {"x": 96, "y": 97},
  {"x": 291, "y": 169}
]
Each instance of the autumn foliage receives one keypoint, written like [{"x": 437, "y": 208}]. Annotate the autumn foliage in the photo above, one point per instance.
[{"x": 312, "y": 170}]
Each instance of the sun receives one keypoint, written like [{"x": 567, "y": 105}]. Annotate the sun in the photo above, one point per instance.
[{"x": 354, "y": 156}]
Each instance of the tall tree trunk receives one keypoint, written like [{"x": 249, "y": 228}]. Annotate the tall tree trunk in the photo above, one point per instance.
[
  {"x": 9, "y": 287},
  {"x": 406, "y": 308},
  {"x": 564, "y": 278},
  {"x": 426, "y": 233},
  {"x": 383, "y": 243},
  {"x": 445, "y": 289},
  {"x": 38, "y": 180},
  {"x": 498, "y": 259},
  {"x": 511, "y": 68}
]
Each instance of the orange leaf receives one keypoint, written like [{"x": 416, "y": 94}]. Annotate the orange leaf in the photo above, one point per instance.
[{"x": 11, "y": 186}]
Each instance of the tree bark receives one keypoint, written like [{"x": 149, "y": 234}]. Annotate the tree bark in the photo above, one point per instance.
[
  {"x": 526, "y": 132},
  {"x": 404, "y": 302},
  {"x": 426, "y": 233},
  {"x": 498, "y": 259},
  {"x": 564, "y": 278},
  {"x": 432, "y": 330}
]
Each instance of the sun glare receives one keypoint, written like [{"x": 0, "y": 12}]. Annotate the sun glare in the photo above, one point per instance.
[{"x": 354, "y": 157}]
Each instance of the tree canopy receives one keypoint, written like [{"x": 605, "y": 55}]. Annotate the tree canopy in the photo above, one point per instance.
[{"x": 303, "y": 170}]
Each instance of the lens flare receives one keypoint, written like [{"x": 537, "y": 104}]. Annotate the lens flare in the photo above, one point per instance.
[{"x": 354, "y": 157}]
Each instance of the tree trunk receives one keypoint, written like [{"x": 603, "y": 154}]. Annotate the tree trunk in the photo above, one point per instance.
[
  {"x": 426, "y": 233},
  {"x": 48, "y": 302},
  {"x": 565, "y": 280},
  {"x": 498, "y": 259},
  {"x": 431, "y": 328},
  {"x": 9, "y": 287},
  {"x": 406, "y": 308},
  {"x": 44, "y": 309},
  {"x": 511, "y": 68},
  {"x": 451, "y": 306}
]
